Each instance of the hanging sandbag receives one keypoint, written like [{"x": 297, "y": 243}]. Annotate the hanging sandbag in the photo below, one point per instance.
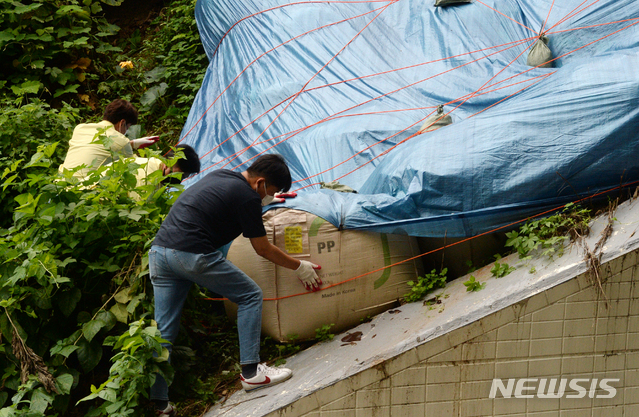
[
  {"x": 335, "y": 185},
  {"x": 540, "y": 54},
  {"x": 444, "y": 3},
  {"x": 435, "y": 121}
]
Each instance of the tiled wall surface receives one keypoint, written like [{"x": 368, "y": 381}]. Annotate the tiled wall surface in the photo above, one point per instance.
[{"x": 565, "y": 332}]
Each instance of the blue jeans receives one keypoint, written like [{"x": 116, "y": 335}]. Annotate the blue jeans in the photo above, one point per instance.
[{"x": 172, "y": 274}]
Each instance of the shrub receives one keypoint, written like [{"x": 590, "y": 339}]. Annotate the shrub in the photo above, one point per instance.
[
  {"x": 425, "y": 284},
  {"x": 73, "y": 271},
  {"x": 23, "y": 130},
  {"x": 48, "y": 47},
  {"x": 550, "y": 233}
]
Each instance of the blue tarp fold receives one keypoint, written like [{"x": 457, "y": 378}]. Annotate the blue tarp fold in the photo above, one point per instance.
[{"x": 340, "y": 88}]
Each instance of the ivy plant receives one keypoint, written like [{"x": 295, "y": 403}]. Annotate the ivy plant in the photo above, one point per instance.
[
  {"x": 550, "y": 234},
  {"x": 425, "y": 284},
  {"x": 473, "y": 285}
]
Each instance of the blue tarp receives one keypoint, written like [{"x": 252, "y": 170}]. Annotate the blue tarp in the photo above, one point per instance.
[{"x": 339, "y": 88}]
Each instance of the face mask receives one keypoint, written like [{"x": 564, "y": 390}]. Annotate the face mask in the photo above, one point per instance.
[{"x": 268, "y": 199}]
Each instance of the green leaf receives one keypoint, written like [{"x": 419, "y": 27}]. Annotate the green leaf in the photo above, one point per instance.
[
  {"x": 120, "y": 313},
  {"x": 6, "y": 36},
  {"x": 91, "y": 328},
  {"x": 72, "y": 88},
  {"x": 42, "y": 298},
  {"x": 81, "y": 41},
  {"x": 27, "y": 87},
  {"x": 72, "y": 9},
  {"x": 113, "y": 408},
  {"x": 68, "y": 300},
  {"x": 64, "y": 351},
  {"x": 108, "y": 394},
  {"x": 64, "y": 383},
  {"x": 40, "y": 400},
  {"x": 164, "y": 356},
  {"x": 107, "y": 318},
  {"x": 89, "y": 354},
  {"x": 155, "y": 75},
  {"x": 22, "y": 9},
  {"x": 151, "y": 95},
  {"x": 123, "y": 296},
  {"x": 473, "y": 285}
]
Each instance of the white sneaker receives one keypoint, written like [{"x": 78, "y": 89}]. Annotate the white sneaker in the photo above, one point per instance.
[
  {"x": 266, "y": 376},
  {"x": 168, "y": 412}
]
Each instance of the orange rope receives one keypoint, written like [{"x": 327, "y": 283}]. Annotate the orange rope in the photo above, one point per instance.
[
  {"x": 304, "y": 86},
  {"x": 594, "y": 26},
  {"x": 293, "y": 4},
  {"x": 516, "y": 92},
  {"x": 561, "y": 56},
  {"x": 445, "y": 246},
  {"x": 573, "y": 13},
  {"x": 270, "y": 50},
  {"x": 399, "y": 69},
  {"x": 508, "y": 17},
  {"x": 514, "y": 43},
  {"x": 235, "y": 155},
  {"x": 547, "y": 17},
  {"x": 255, "y": 60},
  {"x": 415, "y": 134},
  {"x": 410, "y": 137},
  {"x": 370, "y": 100},
  {"x": 465, "y": 98}
]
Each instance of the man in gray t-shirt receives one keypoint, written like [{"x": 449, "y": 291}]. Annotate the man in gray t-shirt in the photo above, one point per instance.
[{"x": 208, "y": 215}]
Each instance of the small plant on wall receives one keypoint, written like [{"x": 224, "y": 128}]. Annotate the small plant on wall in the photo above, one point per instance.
[{"x": 424, "y": 285}]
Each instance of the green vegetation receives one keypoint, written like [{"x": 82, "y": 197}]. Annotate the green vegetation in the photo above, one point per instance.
[
  {"x": 49, "y": 47},
  {"x": 323, "y": 334},
  {"x": 473, "y": 285},
  {"x": 425, "y": 284},
  {"x": 277, "y": 351},
  {"x": 500, "y": 270},
  {"x": 76, "y": 335},
  {"x": 73, "y": 274},
  {"x": 133, "y": 370},
  {"x": 75, "y": 301},
  {"x": 550, "y": 233}
]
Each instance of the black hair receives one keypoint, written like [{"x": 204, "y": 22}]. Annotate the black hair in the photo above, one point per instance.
[
  {"x": 120, "y": 109},
  {"x": 274, "y": 169},
  {"x": 190, "y": 164}
]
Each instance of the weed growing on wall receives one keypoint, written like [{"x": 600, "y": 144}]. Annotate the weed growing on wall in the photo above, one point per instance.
[
  {"x": 549, "y": 234},
  {"x": 473, "y": 285},
  {"x": 425, "y": 284},
  {"x": 323, "y": 334},
  {"x": 501, "y": 269}
]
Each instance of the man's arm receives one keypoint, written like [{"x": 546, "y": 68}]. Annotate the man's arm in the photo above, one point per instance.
[{"x": 304, "y": 269}]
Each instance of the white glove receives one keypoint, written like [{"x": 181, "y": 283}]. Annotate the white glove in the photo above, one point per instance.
[
  {"x": 306, "y": 273},
  {"x": 144, "y": 142}
]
